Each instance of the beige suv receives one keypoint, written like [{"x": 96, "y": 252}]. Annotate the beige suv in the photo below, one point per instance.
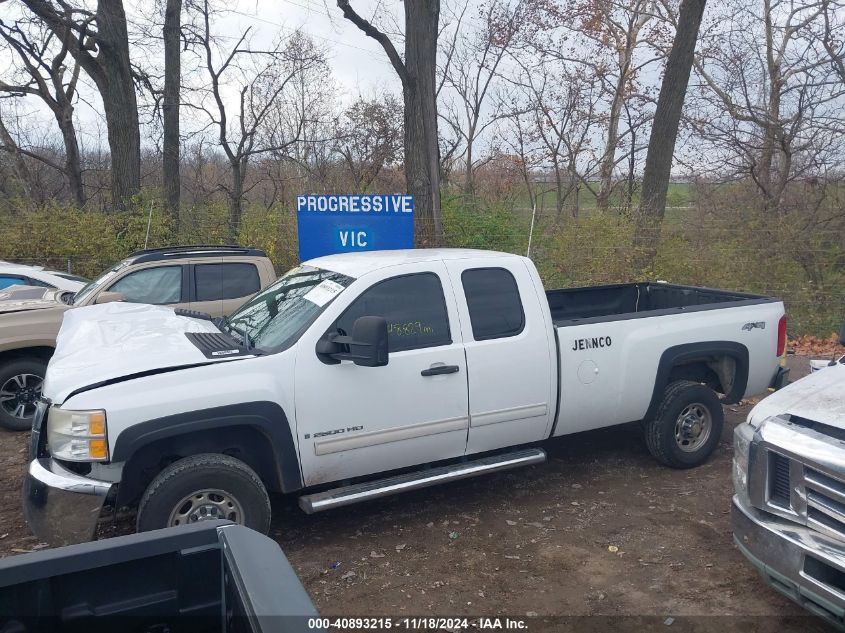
[{"x": 212, "y": 279}]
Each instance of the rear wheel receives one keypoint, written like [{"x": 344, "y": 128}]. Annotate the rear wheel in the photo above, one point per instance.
[
  {"x": 202, "y": 488},
  {"x": 20, "y": 388},
  {"x": 687, "y": 427}
]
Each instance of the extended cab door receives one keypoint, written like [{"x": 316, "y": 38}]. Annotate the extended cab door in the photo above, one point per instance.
[
  {"x": 353, "y": 420},
  {"x": 510, "y": 350}
]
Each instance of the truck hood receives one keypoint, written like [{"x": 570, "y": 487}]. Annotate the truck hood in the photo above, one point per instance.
[
  {"x": 819, "y": 397},
  {"x": 113, "y": 341}
]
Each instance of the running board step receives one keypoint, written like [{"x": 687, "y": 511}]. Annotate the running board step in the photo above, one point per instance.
[{"x": 356, "y": 493}]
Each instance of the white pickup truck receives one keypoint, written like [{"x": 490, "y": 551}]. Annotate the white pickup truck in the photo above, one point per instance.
[{"x": 360, "y": 375}]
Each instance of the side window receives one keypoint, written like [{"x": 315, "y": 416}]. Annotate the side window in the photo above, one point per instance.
[
  {"x": 225, "y": 281},
  {"x": 151, "y": 285},
  {"x": 495, "y": 309},
  {"x": 11, "y": 280},
  {"x": 414, "y": 307}
]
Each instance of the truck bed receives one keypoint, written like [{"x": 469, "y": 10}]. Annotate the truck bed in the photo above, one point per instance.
[{"x": 626, "y": 301}]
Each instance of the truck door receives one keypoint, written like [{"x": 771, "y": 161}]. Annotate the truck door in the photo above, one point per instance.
[
  {"x": 353, "y": 420},
  {"x": 510, "y": 357}
]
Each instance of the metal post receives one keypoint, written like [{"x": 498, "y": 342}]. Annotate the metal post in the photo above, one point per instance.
[
  {"x": 149, "y": 221},
  {"x": 531, "y": 230}
]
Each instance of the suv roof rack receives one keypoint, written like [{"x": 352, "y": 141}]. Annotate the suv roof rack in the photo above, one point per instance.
[{"x": 152, "y": 254}]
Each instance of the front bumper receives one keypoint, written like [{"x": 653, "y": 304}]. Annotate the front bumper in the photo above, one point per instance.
[
  {"x": 61, "y": 507},
  {"x": 804, "y": 565}
]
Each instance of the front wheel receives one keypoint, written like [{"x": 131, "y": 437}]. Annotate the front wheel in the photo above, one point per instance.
[
  {"x": 20, "y": 388},
  {"x": 687, "y": 427},
  {"x": 202, "y": 488}
]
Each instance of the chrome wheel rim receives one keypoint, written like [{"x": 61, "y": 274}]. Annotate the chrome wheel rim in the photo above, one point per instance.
[
  {"x": 693, "y": 427},
  {"x": 206, "y": 505},
  {"x": 19, "y": 395}
]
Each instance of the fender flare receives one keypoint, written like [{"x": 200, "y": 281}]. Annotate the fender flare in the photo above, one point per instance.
[
  {"x": 267, "y": 417},
  {"x": 678, "y": 354}
]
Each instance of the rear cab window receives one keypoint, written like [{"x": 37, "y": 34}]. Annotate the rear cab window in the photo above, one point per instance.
[
  {"x": 220, "y": 281},
  {"x": 495, "y": 307},
  {"x": 413, "y": 306}
]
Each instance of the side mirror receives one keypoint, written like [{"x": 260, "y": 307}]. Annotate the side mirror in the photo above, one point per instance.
[
  {"x": 109, "y": 297},
  {"x": 366, "y": 347}
]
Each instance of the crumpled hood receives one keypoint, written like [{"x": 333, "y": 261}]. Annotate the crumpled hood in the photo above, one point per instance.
[
  {"x": 110, "y": 341},
  {"x": 819, "y": 397}
]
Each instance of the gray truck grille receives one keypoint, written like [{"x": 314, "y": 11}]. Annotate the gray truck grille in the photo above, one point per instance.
[
  {"x": 825, "y": 501},
  {"x": 779, "y": 490},
  {"x": 802, "y": 491}
]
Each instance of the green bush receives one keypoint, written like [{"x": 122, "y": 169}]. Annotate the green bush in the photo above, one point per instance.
[{"x": 732, "y": 248}]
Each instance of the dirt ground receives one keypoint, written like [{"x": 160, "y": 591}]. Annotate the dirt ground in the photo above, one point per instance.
[{"x": 598, "y": 530}]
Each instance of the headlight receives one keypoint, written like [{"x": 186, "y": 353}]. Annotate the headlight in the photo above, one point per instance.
[
  {"x": 77, "y": 436},
  {"x": 743, "y": 435}
]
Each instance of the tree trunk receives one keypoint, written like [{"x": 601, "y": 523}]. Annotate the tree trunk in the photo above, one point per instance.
[
  {"x": 21, "y": 169},
  {"x": 468, "y": 182},
  {"x": 118, "y": 93},
  {"x": 422, "y": 149},
  {"x": 111, "y": 71},
  {"x": 236, "y": 195},
  {"x": 664, "y": 133},
  {"x": 73, "y": 161},
  {"x": 608, "y": 161},
  {"x": 170, "y": 109}
]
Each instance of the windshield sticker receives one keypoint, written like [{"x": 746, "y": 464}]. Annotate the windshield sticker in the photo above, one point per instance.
[{"x": 324, "y": 292}]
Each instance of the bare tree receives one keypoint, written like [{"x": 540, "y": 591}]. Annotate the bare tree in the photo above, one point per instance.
[
  {"x": 471, "y": 67},
  {"x": 562, "y": 105},
  {"x": 832, "y": 36},
  {"x": 44, "y": 74},
  {"x": 370, "y": 138},
  {"x": 664, "y": 130},
  {"x": 417, "y": 71},
  {"x": 170, "y": 107},
  {"x": 259, "y": 78},
  {"x": 772, "y": 100},
  {"x": 21, "y": 170},
  {"x": 98, "y": 40},
  {"x": 612, "y": 41}
]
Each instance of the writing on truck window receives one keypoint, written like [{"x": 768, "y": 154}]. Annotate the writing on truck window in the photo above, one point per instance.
[
  {"x": 413, "y": 306},
  {"x": 412, "y": 328}
]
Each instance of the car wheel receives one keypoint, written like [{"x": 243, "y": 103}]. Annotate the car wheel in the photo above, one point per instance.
[
  {"x": 687, "y": 427},
  {"x": 20, "y": 389},
  {"x": 202, "y": 488}
]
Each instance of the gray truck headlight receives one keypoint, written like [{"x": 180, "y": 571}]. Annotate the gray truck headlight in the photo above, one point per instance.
[
  {"x": 77, "y": 436},
  {"x": 743, "y": 436}
]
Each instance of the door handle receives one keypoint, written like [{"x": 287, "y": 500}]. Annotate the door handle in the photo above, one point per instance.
[{"x": 440, "y": 369}]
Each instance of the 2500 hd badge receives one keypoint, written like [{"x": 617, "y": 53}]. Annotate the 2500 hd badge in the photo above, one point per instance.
[{"x": 590, "y": 343}]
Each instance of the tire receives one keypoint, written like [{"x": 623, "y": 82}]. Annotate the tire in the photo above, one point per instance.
[
  {"x": 230, "y": 490},
  {"x": 673, "y": 437},
  {"x": 20, "y": 388}
]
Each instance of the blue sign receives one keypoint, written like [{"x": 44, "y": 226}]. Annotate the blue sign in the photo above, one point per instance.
[{"x": 329, "y": 224}]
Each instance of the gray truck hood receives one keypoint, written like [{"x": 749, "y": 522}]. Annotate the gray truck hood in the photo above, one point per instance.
[
  {"x": 102, "y": 343},
  {"x": 819, "y": 397}
]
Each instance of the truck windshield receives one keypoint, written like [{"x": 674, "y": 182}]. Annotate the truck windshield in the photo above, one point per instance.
[{"x": 275, "y": 318}]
